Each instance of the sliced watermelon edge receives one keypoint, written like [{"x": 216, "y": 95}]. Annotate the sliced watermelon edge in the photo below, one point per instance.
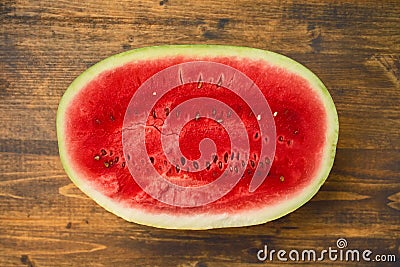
[{"x": 204, "y": 220}]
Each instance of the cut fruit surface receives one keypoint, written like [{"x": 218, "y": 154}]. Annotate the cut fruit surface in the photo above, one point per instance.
[{"x": 90, "y": 129}]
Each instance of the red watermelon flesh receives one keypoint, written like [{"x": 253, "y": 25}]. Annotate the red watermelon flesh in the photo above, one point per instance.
[{"x": 90, "y": 135}]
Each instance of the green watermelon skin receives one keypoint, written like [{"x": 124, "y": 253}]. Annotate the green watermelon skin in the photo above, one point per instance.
[{"x": 91, "y": 115}]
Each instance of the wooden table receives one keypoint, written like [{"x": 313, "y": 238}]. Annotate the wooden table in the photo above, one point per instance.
[{"x": 353, "y": 46}]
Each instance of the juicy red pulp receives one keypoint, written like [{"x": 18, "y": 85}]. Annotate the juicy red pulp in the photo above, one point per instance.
[
  {"x": 195, "y": 131},
  {"x": 95, "y": 116}
]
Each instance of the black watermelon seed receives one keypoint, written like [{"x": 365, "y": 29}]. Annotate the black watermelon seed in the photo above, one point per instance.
[
  {"x": 183, "y": 161},
  {"x": 195, "y": 165},
  {"x": 252, "y": 163},
  {"x": 215, "y": 158},
  {"x": 208, "y": 165}
]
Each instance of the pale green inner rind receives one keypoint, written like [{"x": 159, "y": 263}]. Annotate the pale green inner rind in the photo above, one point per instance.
[{"x": 203, "y": 221}]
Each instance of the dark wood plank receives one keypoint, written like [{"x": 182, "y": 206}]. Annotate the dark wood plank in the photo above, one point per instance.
[{"x": 353, "y": 46}]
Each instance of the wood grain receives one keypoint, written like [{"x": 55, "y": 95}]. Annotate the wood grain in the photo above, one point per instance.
[{"x": 353, "y": 46}]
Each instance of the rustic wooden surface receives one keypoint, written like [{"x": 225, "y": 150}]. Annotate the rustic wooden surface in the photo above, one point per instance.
[{"x": 354, "y": 46}]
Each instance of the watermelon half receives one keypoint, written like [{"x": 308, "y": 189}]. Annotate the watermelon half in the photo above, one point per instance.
[{"x": 93, "y": 118}]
